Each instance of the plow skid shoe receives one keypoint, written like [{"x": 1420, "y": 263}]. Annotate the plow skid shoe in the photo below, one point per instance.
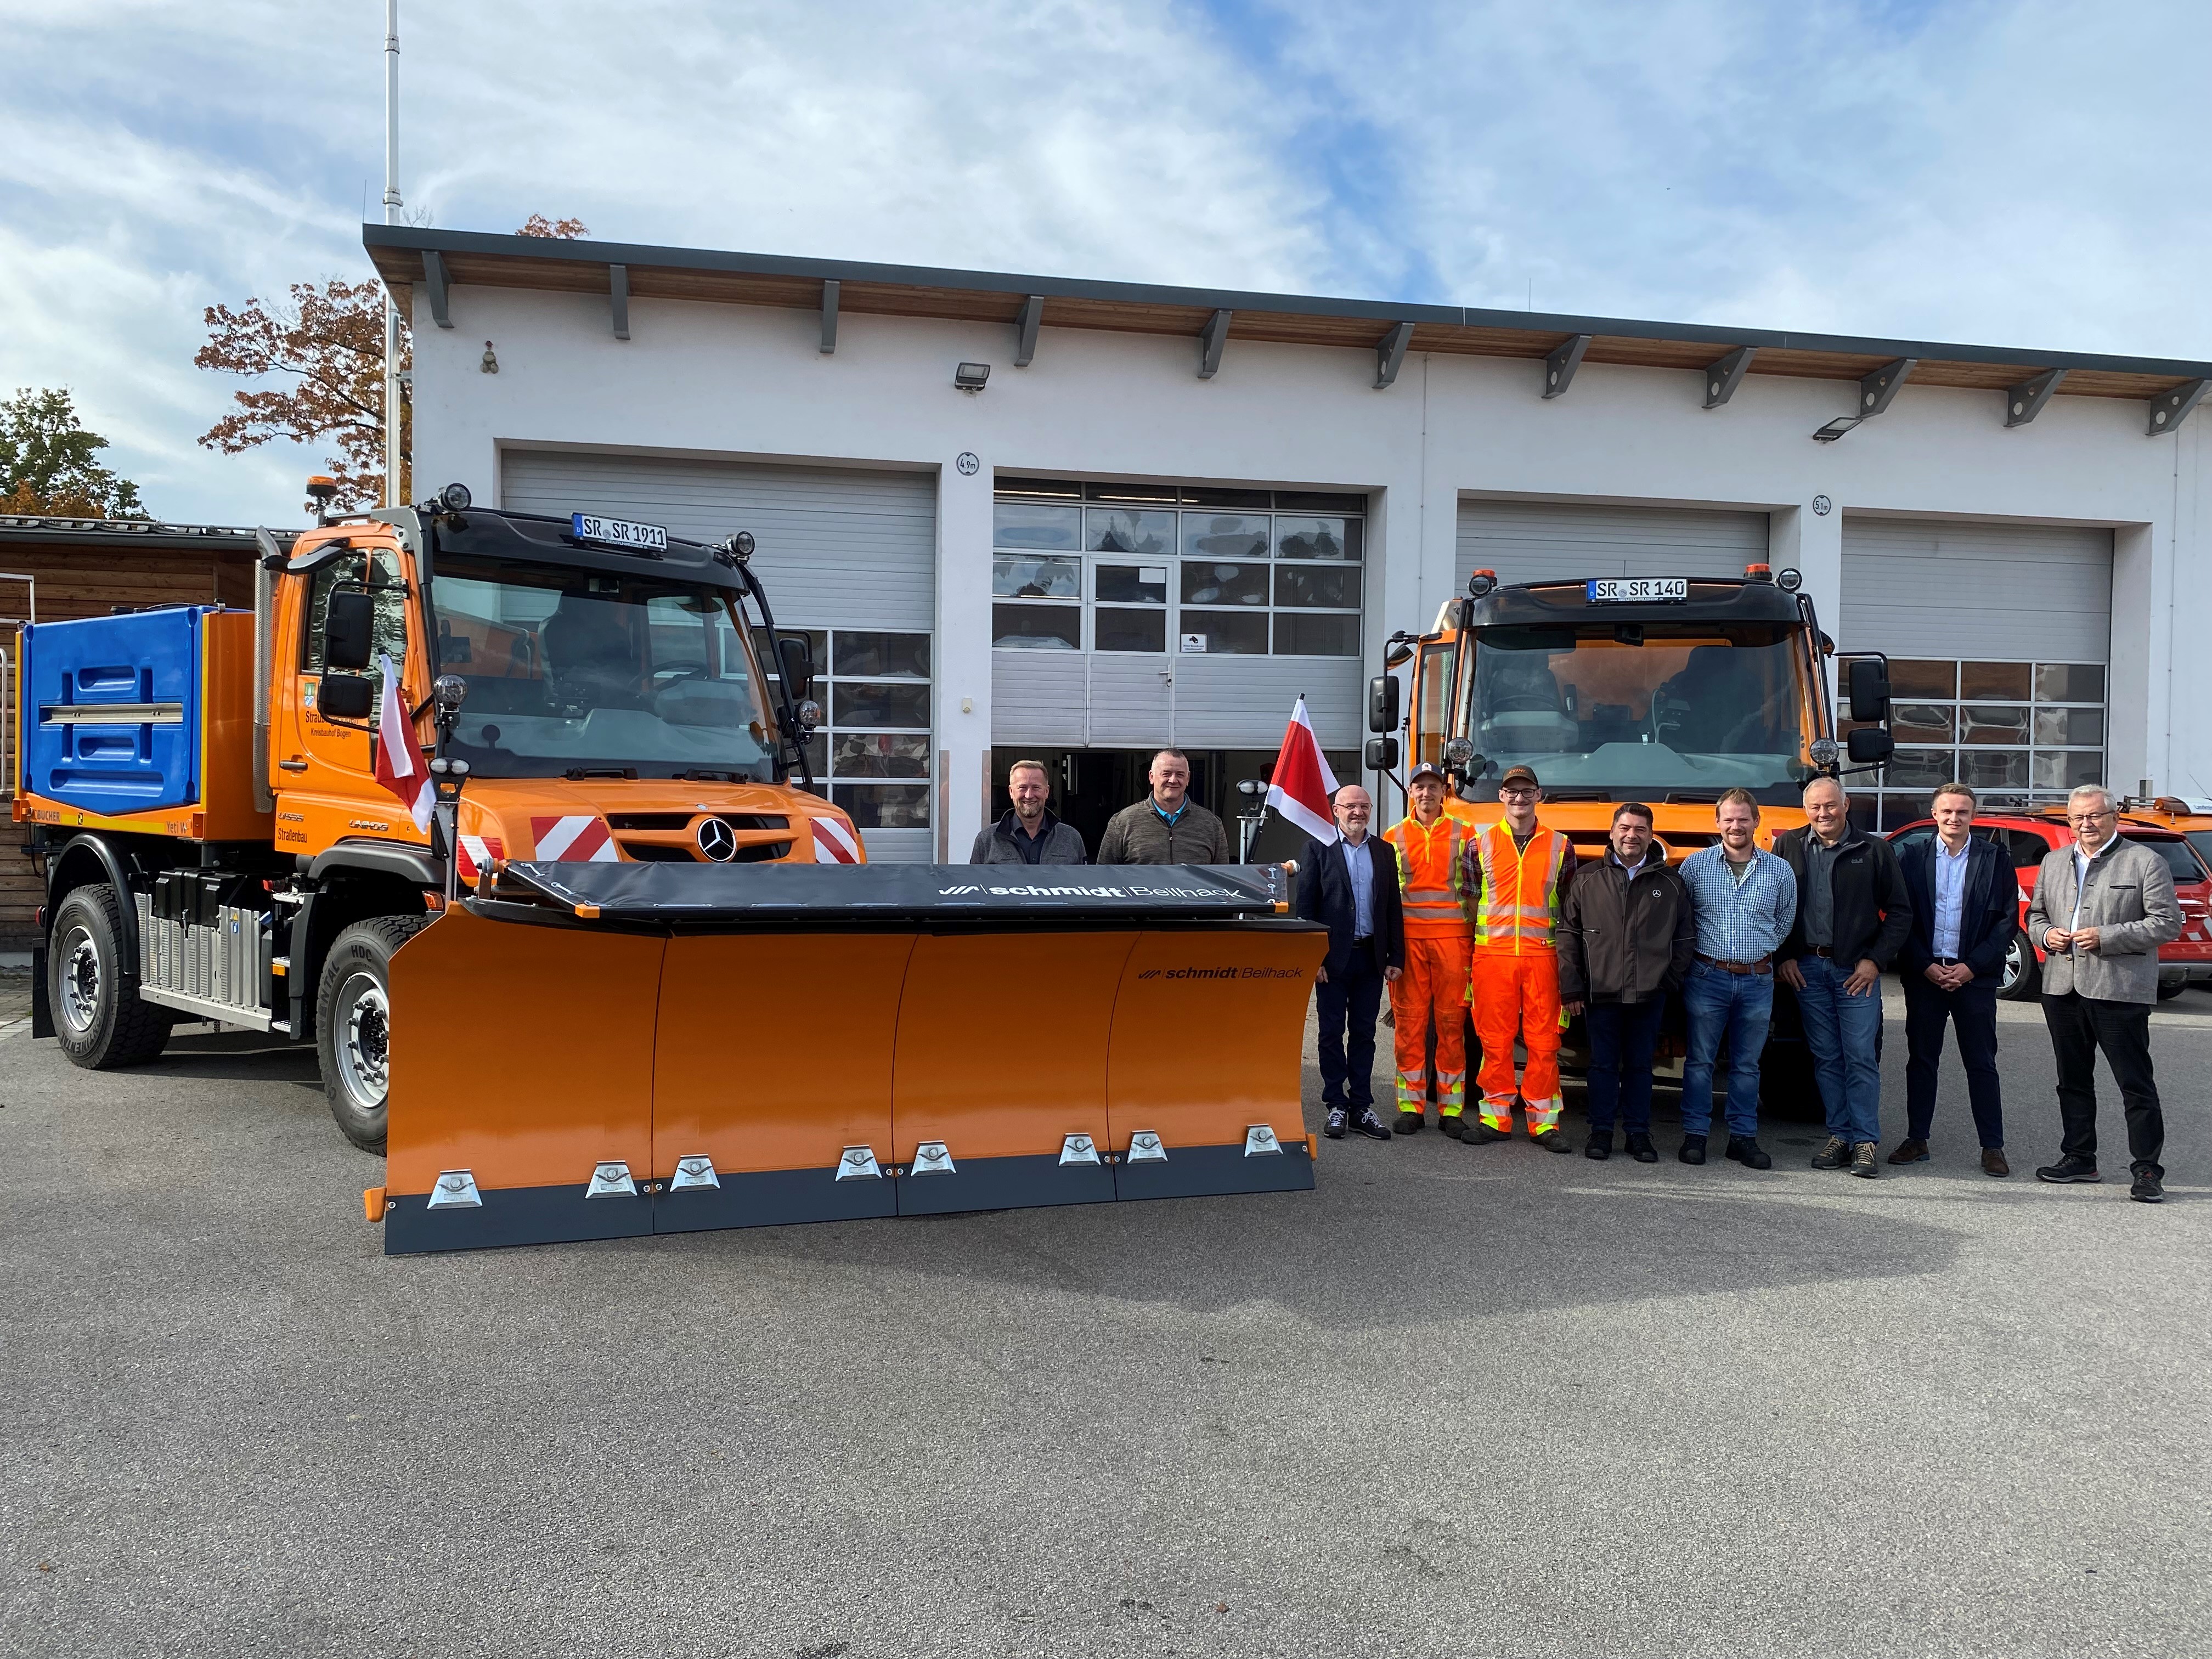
[{"x": 757, "y": 1045}]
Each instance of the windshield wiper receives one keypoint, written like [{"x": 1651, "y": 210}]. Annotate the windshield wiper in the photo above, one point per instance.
[
  {"x": 708, "y": 775},
  {"x": 1577, "y": 794},
  {"x": 577, "y": 772}
]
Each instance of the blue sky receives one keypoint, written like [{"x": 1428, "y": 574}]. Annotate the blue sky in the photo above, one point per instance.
[{"x": 2035, "y": 174}]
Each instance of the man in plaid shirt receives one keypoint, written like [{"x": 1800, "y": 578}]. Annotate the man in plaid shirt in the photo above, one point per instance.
[{"x": 1745, "y": 902}]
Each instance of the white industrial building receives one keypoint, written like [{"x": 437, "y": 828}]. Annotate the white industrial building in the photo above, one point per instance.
[{"x": 1167, "y": 512}]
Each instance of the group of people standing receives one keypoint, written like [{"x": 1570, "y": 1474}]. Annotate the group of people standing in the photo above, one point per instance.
[{"x": 1504, "y": 927}]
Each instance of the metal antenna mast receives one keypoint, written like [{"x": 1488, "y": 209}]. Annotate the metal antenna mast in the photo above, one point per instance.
[{"x": 392, "y": 206}]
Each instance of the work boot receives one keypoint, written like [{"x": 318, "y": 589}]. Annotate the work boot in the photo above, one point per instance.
[
  {"x": 1409, "y": 1124},
  {"x": 1693, "y": 1149},
  {"x": 1334, "y": 1128},
  {"x": 1747, "y": 1150},
  {"x": 2070, "y": 1170},
  {"x": 1550, "y": 1140},
  {"x": 1370, "y": 1125},
  {"x": 2147, "y": 1188},
  {"x": 1836, "y": 1155},
  {"x": 1640, "y": 1147},
  {"x": 1598, "y": 1146},
  {"x": 1993, "y": 1162},
  {"x": 1862, "y": 1163},
  {"x": 1909, "y": 1152},
  {"x": 1452, "y": 1126},
  {"x": 1484, "y": 1134}
]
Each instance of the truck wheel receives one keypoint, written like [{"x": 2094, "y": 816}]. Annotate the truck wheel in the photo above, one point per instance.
[
  {"x": 99, "y": 1018},
  {"x": 2022, "y": 972},
  {"x": 353, "y": 1024}
]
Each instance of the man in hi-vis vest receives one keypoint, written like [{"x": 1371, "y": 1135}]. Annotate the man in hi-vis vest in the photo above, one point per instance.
[
  {"x": 1430, "y": 846},
  {"x": 1514, "y": 876}
]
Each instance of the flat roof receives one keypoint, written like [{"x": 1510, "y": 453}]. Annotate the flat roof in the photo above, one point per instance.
[{"x": 474, "y": 258}]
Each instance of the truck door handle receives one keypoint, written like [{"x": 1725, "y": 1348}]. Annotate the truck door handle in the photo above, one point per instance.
[{"x": 293, "y": 765}]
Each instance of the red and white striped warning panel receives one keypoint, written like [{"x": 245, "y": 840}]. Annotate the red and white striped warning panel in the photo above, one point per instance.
[
  {"x": 579, "y": 840},
  {"x": 478, "y": 855},
  {"x": 835, "y": 842}
]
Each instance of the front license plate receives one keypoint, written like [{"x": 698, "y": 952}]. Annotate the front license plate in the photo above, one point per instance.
[
  {"x": 619, "y": 532},
  {"x": 1638, "y": 590}
]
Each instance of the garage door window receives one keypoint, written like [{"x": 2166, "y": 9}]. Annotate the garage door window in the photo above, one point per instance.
[
  {"x": 2019, "y": 733},
  {"x": 874, "y": 749}
]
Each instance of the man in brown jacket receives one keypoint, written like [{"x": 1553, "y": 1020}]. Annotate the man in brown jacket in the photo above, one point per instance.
[{"x": 1167, "y": 826}]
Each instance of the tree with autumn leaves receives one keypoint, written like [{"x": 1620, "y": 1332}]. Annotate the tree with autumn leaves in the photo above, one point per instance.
[{"x": 319, "y": 357}]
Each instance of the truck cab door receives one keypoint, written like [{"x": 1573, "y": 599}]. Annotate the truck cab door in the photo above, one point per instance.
[{"x": 324, "y": 766}]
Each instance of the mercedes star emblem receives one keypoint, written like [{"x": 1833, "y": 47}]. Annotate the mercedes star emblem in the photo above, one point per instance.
[{"x": 717, "y": 841}]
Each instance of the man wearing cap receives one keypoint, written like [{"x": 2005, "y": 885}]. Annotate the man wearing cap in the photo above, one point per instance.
[
  {"x": 1430, "y": 845},
  {"x": 1515, "y": 877}
]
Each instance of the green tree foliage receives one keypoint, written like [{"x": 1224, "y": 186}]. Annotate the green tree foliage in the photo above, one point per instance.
[{"x": 50, "y": 464}]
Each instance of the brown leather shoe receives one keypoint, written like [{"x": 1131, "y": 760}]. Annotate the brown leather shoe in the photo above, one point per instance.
[
  {"x": 1993, "y": 1162},
  {"x": 1909, "y": 1152}
]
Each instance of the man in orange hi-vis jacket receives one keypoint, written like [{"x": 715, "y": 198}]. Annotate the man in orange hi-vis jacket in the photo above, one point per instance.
[
  {"x": 1430, "y": 846},
  {"x": 1515, "y": 877}
]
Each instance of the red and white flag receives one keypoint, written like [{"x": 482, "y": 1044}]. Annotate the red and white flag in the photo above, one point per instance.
[
  {"x": 834, "y": 841},
  {"x": 1301, "y": 786},
  {"x": 399, "y": 765}
]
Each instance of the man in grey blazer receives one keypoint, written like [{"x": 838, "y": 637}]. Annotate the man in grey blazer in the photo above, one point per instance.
[{"x": 2101, "y": 910}]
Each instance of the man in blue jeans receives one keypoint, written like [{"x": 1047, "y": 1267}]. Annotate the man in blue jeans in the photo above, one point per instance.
[
  {"x": 1744, "y": 901},
  {"x": 1853, "y": 914}
]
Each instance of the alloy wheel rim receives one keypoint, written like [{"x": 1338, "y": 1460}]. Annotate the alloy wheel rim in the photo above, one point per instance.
[{"x": 364, "y": 1044}]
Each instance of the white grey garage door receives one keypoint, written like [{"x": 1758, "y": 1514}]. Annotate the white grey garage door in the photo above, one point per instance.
[
  {"x": 1919, "y": 587},
  {"x": 1545, "y": 541},
  {"x": 849, "y": 555}
]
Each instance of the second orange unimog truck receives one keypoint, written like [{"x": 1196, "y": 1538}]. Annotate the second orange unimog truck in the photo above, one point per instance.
[{"x": 513, "y": 817}]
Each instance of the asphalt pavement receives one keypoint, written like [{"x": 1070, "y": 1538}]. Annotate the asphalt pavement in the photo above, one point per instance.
[{"x": 1458, "y": 1400}]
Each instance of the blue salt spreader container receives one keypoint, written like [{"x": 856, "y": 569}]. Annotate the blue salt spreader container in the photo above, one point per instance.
[{"x": 111, "y": 712}]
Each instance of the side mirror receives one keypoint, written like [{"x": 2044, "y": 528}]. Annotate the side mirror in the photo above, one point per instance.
[
  {"x": 796, "y": 663},
  {"x": 346, "y": 629},
  {"x": 345, "y": 697},
  {"x": 1870, "y": 745},
  {"x": 1869, "y": 691},
  {"x": 1383, "y": 703},
  {"x": 1382, "y": 754}
]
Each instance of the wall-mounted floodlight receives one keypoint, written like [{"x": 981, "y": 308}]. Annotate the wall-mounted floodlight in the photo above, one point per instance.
[
  {"x": 970, "y": 377},
  {"x": 1836, "y": 429}
]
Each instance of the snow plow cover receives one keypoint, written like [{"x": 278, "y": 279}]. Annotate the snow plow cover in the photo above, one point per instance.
[{"x": 609, "y": 1050}]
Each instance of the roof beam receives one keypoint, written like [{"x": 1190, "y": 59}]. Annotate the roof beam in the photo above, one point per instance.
[
  {"x": 1559, "y": 368},
  {"x": 434, "y": 279},
  {"x": 2024, "y": 402},
  {"x": 619, "y": 297},
  {"x": 828, "y": 316},
  {"x": 2170, "y": 408},
  {"x": 1211, "y": 339},
  {"x": 1725, "y": 375},
  {"x": 1879, "y": 390},
  {"x": 1390, "y": 354},
  {"x": 1025, "y": 337}
]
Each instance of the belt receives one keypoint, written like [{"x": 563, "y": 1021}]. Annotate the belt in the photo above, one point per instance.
[
  {"x": 1947, "y": 961},
  {"x": 1764, "y": 965},
  {"x": 1819, "y": 950},
  {"x": 1364, "y": 939}
]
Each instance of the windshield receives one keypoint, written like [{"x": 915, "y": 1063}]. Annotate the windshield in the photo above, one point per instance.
[
  {"x": 2175, "y": 851},
  {"x": 1629, "y": 709},
  {"x": 584, "y": 670},
  {"x": 2202, "y": 840}
]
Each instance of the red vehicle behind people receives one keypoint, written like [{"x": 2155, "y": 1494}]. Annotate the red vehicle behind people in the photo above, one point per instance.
[{"x": 2028, "y": 834}]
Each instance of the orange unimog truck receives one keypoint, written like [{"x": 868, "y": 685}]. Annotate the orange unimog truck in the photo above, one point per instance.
[
  {"x": 513, "y": 817},
  {"x": 1666, "y": 690}
]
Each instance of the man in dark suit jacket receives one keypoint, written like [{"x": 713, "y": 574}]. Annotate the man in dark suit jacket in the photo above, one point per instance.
[
  {"x": 1351, "y": 885},
  {"x": 1966, "y": 909}
]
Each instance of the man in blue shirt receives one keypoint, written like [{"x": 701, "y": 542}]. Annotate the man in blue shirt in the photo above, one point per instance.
[
  {"x": 1745, "y": 901},
  {"x": 1350, "y": 885}
]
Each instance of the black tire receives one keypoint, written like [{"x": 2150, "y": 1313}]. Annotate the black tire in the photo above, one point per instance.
[
  {"x": 2022, "y": 972},
  {"x": 2167, "y": 992},
  {"x": 92, "y": 985},
  {"x": 355, "y": 1053}
]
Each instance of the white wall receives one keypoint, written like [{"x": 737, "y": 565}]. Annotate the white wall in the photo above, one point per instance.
[{"x": 743, "y": 382}]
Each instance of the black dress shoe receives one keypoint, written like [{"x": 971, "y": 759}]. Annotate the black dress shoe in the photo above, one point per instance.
[
  {"x": 1409, "y": 1124},
  {"x": 2070, "y": 1170},
  {"x": 1483, "y": 1134},
  {"x": 1747, "y": 1150},
  {"x": 1909, "y": 1152},
  {"x": 1693, "y": 1149},
  {"x": 2148, "y": 1188},
  {"x": 1598, "y": 1146},
  {"x": 1552, "y": 1140},
  {"x": 1370, "y": 1125},
  {"x": 1640, "y": 1147},
  {"x": 1334, "y": 1128}
]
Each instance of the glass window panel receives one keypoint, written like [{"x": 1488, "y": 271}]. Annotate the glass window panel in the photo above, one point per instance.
[
  {"x": 1321, "y": 635},
  {"x": 1129, "y": 630},
  {"x": 1318, "y": 539},
  {"x": 1109, "y": 530},
  {"x": 1895, "y": 812},
  {"x": 1037, "y": 579},
  {"x": 873, "y": 755},
  {"x": 1036, "y": 627},
  {"x": 2061, "y": 768},
  {"x": 2180, "y": 860},
  {"x": 1131, "y": 584},
  {"x": 2025, "y": 846},
  {"x": 1982, "y": 722},
  {"x": 2059, "y": 728},
  {"x": 1030, "y": 524},
  {"x": 1257, "y": 500},
  {"x": 1224, "y": 583},
  {"x": 2068, "y": 681},
  {"x": 1066, "y": 488},
  {"x": 1319, "y": 587},
  {"x": 818, "y": 755},
  {"x": 1225, "y": 536},
  {"x": 1131, "y": 492},
  {"x": 1918, "y": 722},
  {"x": 906, "y": 706},
  {"x": 884, "y": 805},
  {"x": 1294, "y": 501},
  {"x": 2001, "y": 681},
  {"x": 882, "y": 656},
  {"x": 1911, "y": 678},
  {"x": 1994, "y": 768},
  {"x": 1918, "y": 769},
  {"x": 1225, "y": 633}
]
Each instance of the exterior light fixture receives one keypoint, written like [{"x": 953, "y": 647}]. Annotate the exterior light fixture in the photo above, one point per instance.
[
  {"x": 1482, "y": 582},
  {"x": 1836, "y": 429},
  {"x": 490, "y": 363},
  {"x": 970, "y": 377},
  {"x": 1790, "y": 580},
  {"x": 455, "y": 498}
]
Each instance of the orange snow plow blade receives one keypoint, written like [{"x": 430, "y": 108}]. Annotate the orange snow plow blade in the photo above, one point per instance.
[{"x": 602, "y": 1051}]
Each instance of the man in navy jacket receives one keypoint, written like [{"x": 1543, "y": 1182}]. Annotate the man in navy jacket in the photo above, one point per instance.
[
  {"x": 1965, "y": 908},
  {"x": 1352, "y": 885}
]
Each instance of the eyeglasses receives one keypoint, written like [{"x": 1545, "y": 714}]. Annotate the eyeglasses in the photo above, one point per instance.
[
  {"x": 2091, "y": 817},
  {"x": 1516, "y": 794}
]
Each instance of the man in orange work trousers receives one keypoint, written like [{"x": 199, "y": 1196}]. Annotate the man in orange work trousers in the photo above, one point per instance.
[
  {"x": 1430, "y": 846},
  {"x": 1515, "y": 874}
]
